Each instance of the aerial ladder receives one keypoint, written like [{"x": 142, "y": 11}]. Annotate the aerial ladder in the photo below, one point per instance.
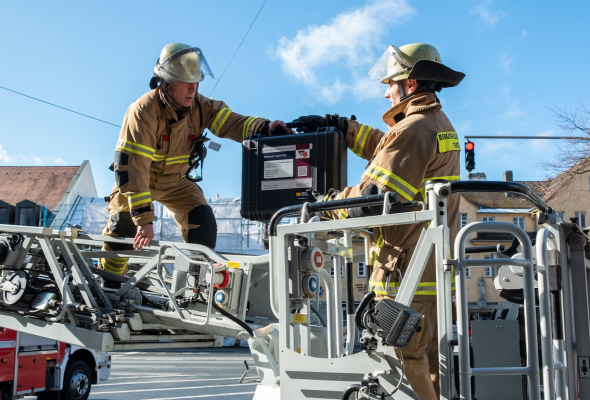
[{"x": 182, "y": 295}]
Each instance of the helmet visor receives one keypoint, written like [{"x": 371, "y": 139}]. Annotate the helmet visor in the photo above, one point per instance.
[
  {"x": 389, "y": 64},
  {"x": 187, "y": 65}
]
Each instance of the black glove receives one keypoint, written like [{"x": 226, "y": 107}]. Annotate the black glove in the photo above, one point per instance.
[
  {"x": 337, "y": 121},
  {"x": 312, "y": 122}
]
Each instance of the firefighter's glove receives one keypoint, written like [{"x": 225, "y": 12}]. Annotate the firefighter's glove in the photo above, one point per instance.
[
  {"x": 325, "y": 197},
  {"x": 337, "y": 122}
]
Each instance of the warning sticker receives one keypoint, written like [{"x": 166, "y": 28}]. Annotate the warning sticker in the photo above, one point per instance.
[
  {"x": 287, "y": 167},
  {"x": 299, "y": 318},
  {"x": 302, "y": 153},
  {"x": 278, "y": 169}
]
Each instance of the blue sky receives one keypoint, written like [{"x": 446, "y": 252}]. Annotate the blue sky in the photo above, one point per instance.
[{"x": 305, "y": 57}]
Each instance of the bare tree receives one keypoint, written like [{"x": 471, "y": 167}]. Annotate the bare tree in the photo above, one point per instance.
[{"x": 573, "y": 158}]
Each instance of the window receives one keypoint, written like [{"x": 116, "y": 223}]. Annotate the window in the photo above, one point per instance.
[
  {"x": 581, "y": 216},
  {"x": 463, "y": 220},
  {"x": 488, "y": 270},
  {"x": 341, "y": 271},
  {"x": 467, "y": 272},
  {"x": 3, "y": 215},
  {"x": 488, "y": 219},
  {"x": 362, "y": 271},
  {"x": 518, "y": 221},
  {"x": 26, "y": 216},
  {"x": 560, "y": 216},
  {"x": 332, "y": 271}
]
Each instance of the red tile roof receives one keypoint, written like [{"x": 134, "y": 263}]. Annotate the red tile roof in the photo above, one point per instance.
[{"x": 41, "y": 185}]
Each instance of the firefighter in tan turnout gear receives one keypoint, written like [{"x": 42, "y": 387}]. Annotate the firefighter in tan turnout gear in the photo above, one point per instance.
[
  {"x": 161, "y": 134},
  {"x": 420, "y": 145}
]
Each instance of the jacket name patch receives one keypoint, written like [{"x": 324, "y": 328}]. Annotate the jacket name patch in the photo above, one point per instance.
[{"x": 448, "y": 141}]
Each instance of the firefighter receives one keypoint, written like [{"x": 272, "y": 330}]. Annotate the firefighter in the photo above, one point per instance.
[
  {"x": 161, "y": 134},
  {"x": 420, "y": 145}
]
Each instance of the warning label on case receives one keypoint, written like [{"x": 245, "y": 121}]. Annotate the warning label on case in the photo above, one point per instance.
[
  {"x": 278, "y": 169},
  {"x": 287, "y": 167}
]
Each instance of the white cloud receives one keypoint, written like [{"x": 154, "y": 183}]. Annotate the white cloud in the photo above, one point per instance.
[
  {"x": 58, "y": 160},
  {"x": 506, "y": 63},
  {"x": 483, "y": 11},
  {"x": 30, "y": 159},
  {"x": 4, "y": 155},
  {"x": 491, "y": 147},
  {"x": 524, "y": 34},
  {"x": 345, "y": 44}
]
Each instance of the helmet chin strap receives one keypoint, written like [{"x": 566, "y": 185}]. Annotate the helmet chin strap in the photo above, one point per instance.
[
  {"x": 164, "y": 87},
  {"x": 400, "y": 89}
]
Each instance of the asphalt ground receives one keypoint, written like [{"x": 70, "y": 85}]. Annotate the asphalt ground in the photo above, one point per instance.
[{"x": 178, "y": 374}]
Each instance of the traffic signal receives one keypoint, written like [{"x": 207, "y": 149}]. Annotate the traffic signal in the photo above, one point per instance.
[{"x": 469, "y": 156}]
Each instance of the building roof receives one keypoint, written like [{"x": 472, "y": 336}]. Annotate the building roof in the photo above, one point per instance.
[
  {"x": 41, "y": 185},
  {"x": 493, "y": 200},
  {"x": 555, "y": 185}
]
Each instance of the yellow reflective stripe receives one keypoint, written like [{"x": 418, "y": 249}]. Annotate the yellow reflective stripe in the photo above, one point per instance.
[
  {"x": 136, "y": 148},
  {"x": 134, "y": 144},
  {"x": 220, "y": 119},
  {"x": 361, "y": 139},
  {"x": 382, "y": 284},
  {"x": 373, "y": 257},
  {"x": 140, "y": 198},
  {"x": 391, "y": 180},
  {"x": 424, "y": 288},
  {"x": 135, "y": 196},
  {"x": 446, "y": 178},
  {"x": 342, "y": 213},
  {"x": 111, "y": 262},
  {"x": 179, "y": 157},
  {"x": 247, "y": 126},
  {"x": 113, "y": 267},
  {"x": 157, "y": 157},
  {"x": 379, "y": 242},
  {"x": 178, "y": 160},
  {"x": 148, "y": 200},
  {"x": 422, "y": 191},
  {"x": 364, "y": 140}
]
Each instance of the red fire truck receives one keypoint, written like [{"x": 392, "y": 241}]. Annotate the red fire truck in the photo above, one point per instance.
[{"x": 33, "y": 365}]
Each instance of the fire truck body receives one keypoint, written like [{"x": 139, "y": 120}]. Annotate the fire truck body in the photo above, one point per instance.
[{"x": 51, "y": 369}]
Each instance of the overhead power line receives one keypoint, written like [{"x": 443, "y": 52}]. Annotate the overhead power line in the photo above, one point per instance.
[
  {"x": 63, "y": 108},
  {"x": 238, "y": 48}
]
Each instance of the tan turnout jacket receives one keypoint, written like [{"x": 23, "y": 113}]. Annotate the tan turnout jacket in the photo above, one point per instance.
[
  {"x": 157, "y": 145},
  {"x": 420, "y": 145}
]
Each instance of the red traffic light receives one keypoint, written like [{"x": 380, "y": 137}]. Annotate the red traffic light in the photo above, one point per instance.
[{"x": 469, "y": 146}]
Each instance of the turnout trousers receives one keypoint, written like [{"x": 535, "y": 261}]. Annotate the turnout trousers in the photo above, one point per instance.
[{"x": 188, "y": 206}]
